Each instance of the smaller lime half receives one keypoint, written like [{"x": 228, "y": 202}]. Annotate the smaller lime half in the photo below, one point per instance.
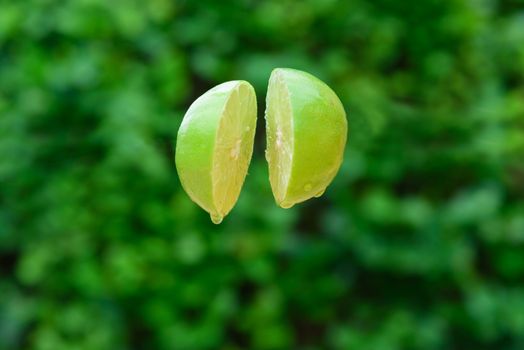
[{"x": 215, "y": 144}]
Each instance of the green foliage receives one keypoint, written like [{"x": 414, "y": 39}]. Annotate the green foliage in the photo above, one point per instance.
[{"x": 418, "y": 244}]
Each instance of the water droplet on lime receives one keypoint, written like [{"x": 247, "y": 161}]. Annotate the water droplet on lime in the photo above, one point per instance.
[
  {"x": 320, "y": 193},
  {"x": 286, "y": 205},
  {"x": 216, "y": 218}
]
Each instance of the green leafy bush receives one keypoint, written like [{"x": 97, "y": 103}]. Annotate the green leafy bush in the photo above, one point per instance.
[{"x": 418, "y": 244}]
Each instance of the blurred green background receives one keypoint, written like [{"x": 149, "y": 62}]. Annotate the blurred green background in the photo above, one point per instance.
[{"x": 417, "y": 244}]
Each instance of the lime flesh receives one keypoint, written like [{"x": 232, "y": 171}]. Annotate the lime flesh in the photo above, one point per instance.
[
  {"x": 215, "y": 145},
  {"x": 306, "y": 135},
  {"x": 279, "y": 133}
]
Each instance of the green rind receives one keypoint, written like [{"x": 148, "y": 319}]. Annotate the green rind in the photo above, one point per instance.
[{"x": 320, "y": 134}]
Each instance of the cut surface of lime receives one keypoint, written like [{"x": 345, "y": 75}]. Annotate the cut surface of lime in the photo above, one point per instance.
[
  {"x": 215, "y": 144},
  {"x": 306, "y": 131}
]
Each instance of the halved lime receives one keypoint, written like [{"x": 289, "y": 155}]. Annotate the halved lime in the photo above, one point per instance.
[
  {"x": 215, "y": 144},
  {"x": 306, "y": 130}
]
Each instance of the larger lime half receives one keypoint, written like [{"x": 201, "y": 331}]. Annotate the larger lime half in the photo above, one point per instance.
[
  {"x": 306, "y": 130},
  {"x": 215, "y": 144}
]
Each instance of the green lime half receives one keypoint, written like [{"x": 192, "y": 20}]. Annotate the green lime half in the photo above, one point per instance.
[
  {"x": 306, "y": 130},
  {"x": 215, "y": 144}
]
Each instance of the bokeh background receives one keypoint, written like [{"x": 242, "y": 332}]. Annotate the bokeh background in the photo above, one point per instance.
[{"x": 417, "y": 244}]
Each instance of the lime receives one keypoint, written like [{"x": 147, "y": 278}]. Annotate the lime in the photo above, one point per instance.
[
  {"x": 306, "y": 130},
  {"x": 215, "y": 144}
]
